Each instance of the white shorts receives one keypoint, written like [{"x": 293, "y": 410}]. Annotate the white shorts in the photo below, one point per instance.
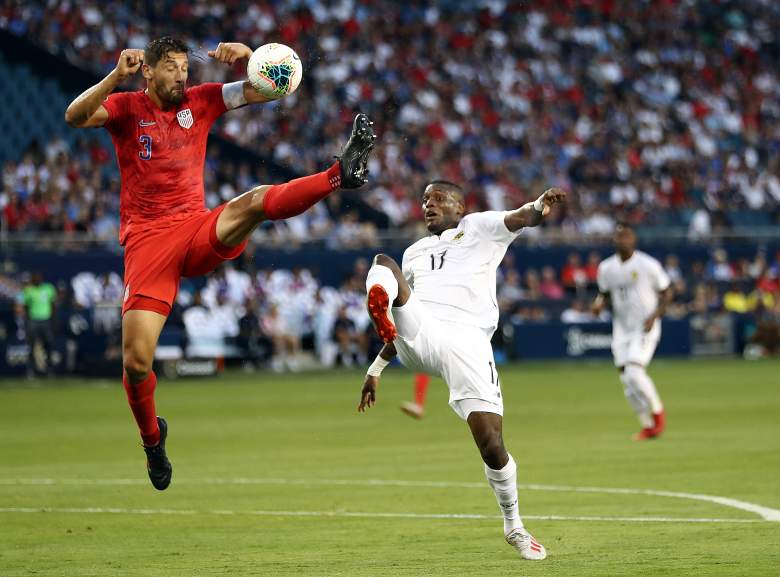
[
  {"x": 460, "y": 354},
  {"x": 635, "y": 348}
]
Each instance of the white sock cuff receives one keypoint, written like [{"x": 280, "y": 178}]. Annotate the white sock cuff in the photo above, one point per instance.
[
  {"x": 507, "y": 472},
  {"x": 382, "y": 275}
]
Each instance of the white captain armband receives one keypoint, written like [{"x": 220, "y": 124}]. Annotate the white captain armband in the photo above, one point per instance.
[
  {"x": 539, "y": 204},
  {"x": 377, "y": 367},
  {"x": 233, "y": 94}
]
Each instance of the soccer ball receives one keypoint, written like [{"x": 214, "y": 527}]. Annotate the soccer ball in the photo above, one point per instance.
[{"x": 274, "y": 70}]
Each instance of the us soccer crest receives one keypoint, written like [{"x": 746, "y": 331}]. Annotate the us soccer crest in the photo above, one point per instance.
[{"x": 185, "y": 118}]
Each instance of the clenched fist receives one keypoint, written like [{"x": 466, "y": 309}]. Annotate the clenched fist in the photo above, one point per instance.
[
  {"x": 130, "y": 61},
  {"x": 229, "y": 52}
]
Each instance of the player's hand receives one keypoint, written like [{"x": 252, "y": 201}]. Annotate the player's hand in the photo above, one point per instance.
[
  {"x": 649, "y": 322},
  {"x": 130, "y": 61},
  {"x": 368, "y": 394},
  {"x": 551, "y": 197},
  {"x": 229, "y": 52},
  {"x": 595, "y": 309}
]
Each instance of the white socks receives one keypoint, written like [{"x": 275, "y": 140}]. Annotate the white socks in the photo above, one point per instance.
[
  {"x": 644, "y": 383},
  {"x": 641, "y": 394},
  {"x": 504, "y": 485},
  {"x": 381, "y": 275}
]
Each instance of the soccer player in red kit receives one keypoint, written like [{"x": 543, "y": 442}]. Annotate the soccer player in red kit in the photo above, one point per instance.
[{"x": 160, "y": 138}]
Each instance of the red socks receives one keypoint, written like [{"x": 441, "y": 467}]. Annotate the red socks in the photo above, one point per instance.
[
  {"x": 420, "y": 388},
  {"x": 297, "y": 196},
  {"x": 141, "y": 399}
]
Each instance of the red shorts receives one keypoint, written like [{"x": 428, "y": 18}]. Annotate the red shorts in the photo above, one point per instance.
[{"x": 156, "y": 259}]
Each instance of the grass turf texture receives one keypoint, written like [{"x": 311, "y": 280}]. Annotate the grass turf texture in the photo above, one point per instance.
[{"x": 566, "y": 424}]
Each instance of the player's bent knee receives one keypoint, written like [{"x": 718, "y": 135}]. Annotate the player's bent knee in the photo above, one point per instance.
[
  {"x": 387, "y": 261},
  {"x": 136, "y": 366}
]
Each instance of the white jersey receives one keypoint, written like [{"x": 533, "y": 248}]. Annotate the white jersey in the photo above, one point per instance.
[
  {"x": 633, "y": 286},
  {"x": 454, "y": 274}
]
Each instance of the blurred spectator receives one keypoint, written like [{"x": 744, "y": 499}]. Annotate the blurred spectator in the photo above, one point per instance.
[
  {"x": 592, "y": 268},
  {"x": 735, "y": 300},
  {"x": 672, "y": 268},
  {"x": 38, "y": 299},
  {"x": 352, "y": 344},
  {"x": 573, "y": 274},
  {"x": 285, "y": 344},
  {"x": 577, "y": 313},
  {"x": 719, "y": 269},
  {"x": 549, "y": 286},
  {"x": 510, "y": 290}
]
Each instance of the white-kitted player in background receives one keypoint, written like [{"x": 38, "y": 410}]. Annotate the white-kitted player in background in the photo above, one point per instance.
[
  {"x": 444, "y": 313},
  {"x": 638, "y": 288}
]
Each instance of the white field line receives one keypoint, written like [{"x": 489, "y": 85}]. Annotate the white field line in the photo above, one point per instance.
[
  {"x": 766, "y": 513},
  {"x": 359, "y": 514}
]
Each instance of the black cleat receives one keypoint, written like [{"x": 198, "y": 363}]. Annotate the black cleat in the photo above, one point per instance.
[
  {"x": 354, "y": 157},
  {"x": 157, "y": 464}
]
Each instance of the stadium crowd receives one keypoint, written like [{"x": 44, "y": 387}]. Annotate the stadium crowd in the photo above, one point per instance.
[
  {"x": 276, "y": 318},
  {"x": 652, "y": 112}
]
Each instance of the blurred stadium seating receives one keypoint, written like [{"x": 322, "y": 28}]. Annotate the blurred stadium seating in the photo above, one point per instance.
[{"x": 663, "y": 115}]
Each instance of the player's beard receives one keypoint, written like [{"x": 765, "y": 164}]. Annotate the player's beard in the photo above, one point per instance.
[{"x": 175, "y": 94}]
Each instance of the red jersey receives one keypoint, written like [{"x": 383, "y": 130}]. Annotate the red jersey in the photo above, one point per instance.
[{"x": 161, "y": 154}]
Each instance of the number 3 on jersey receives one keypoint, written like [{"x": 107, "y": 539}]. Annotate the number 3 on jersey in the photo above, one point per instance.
[{"x": 146, "y": 141}]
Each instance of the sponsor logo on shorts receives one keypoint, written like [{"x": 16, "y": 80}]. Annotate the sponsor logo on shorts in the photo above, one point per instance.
[
  {"x": 185, "y": 118},
  {"x": 127, "y": 293}
]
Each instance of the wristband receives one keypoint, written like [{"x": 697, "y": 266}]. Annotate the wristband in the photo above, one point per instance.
[
  {"x": 377, "y": 367},
  {"x": 539, "y": 204}
]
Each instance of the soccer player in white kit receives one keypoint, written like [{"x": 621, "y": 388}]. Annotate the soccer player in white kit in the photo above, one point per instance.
[
  {"x": 444, "y": 312},
  {"x": 638, "y": 288}
]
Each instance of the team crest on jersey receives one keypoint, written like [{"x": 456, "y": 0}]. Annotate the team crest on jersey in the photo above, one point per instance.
[
  {"x": 185, "y": 118},
  {"x": 634, "y": 275},
  {"x": 458, "y": 236}
]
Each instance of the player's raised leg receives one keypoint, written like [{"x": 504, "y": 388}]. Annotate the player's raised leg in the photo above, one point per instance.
[
  {"x": 279, "y": 201},
  {"x": 140, "y": 332},
  {"x": 386, "y": 287},
  {"x": 501, "y": 473}
]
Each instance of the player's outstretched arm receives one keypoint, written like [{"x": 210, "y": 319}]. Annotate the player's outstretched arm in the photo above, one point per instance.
[
  {"x": 532, "y": 213},
  {"x": 88, "y": 110},
  {"x": 229, "y": 53},
  {"x": 371, "y": 382}
]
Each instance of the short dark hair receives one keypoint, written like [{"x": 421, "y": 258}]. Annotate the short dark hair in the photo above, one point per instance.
[
  {"x": 446, "y": 184},
  {"x": 158, "y": 49}
]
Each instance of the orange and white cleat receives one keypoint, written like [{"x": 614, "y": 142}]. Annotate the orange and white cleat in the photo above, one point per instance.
[
  {"x": 528, "y": 547},
  {"x": 378, "y": 305}
]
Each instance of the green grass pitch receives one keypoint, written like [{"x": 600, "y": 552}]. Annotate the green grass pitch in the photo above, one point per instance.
[{"x": 272, "y": 477}]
